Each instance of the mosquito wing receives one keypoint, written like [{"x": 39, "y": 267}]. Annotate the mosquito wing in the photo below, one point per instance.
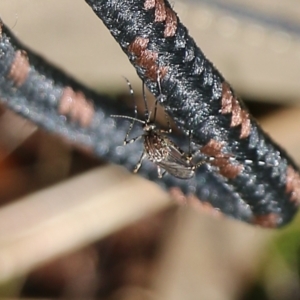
[{"x": 177, "y": 163}]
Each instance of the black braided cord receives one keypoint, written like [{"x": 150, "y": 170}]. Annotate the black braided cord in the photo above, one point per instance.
[
  {"x": 38, "y": 99},
  {"x": 264, "y": 191},
  {"x": 200, "y": 101}
]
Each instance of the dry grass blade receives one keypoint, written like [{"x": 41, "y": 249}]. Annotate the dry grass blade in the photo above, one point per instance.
[
  {"x": 209, "y": 258},
  {"x": 70, "y": 215}
]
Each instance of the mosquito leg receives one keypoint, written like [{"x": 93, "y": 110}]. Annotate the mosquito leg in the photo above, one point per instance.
[
  {"x": 168, "y": 122},
  {"x": 137, "y": 167},
  {"x": 126, "y": 141},
  {"x": 160, "y": 172},
  {"x": 155, "y": 112},
  {"x": 147, "y": 115},
  {"x": 200, "y": 163},
  {"x": 166, "y": 115},
  {"x": 135, "y": 110},
  {"x": 159, "y": 88},
  {"x": 190, "y": 156}
]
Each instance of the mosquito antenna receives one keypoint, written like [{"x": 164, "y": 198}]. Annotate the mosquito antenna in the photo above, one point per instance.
[
  {"x": 156, "y": 101},
  {"x": 147, "y": 115},
  {"x": 127, "y": 117},
  {"x": 190, "y": 141},
  {"x": 155, "y": 110},
  {"x": 16, "y": 21},
  {"x": 135, "y": 108}
]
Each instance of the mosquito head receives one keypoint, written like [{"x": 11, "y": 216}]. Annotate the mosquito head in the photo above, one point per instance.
[{"x": 149, "y": 127}]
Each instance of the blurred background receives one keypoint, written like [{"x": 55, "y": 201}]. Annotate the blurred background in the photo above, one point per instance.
[{"x": 72, "y": 226}]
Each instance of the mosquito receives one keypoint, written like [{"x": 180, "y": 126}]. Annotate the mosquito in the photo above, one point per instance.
[{"x": 158, "y": 147}]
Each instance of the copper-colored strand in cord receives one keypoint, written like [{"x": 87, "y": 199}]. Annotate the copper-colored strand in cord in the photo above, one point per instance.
[
  {"x": 267, "y": 221},
  {"x": 196, "y": 203},
  {"x": 149, "y": 4},
  {"x": 163, "y": 14},
  {"x": 293, "y": 184},
  {"x": 171, "y": 23},
  {"x": 20, "y": 68},
  {"x": 160, "y": 11},
  {"x": 214, "y": 149},
  {"x": 146, "y": 58},
  {"x": 76, "y": 107},
  {"x": 239, "y": 116}
]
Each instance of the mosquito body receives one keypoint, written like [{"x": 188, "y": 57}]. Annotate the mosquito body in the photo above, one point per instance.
[{"x": 158, "y": 147}]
